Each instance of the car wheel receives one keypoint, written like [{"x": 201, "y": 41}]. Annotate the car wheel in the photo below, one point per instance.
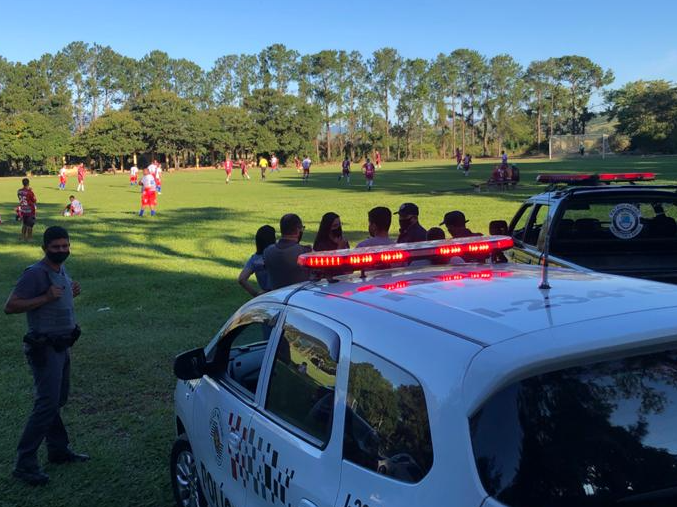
[{"x": 183, "y": 470}]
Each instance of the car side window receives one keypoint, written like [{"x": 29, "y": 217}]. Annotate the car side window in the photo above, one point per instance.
[
  {"x": 519, "y": 223},
  {"x": 535, "y": 225},
  {"x": 303, "y": 377},
  {"x": 386, "y": 429},
  {"x": 241, "y": 351}
]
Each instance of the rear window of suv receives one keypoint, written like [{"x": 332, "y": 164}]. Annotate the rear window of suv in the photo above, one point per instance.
[
  {"x": 597, "y": 435},
  {"x": 628, "y": 223}
]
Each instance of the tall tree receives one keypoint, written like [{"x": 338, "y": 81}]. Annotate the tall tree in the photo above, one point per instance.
[
  {"x": 114, "y": 134},
  {"x": 277, "y": 64},
  {"x": 245, "y": 72},
  {"x": 505, "y": 92},
  {"x": 323, "y": 70},
  {"x": 582, "y": 77},
  {"x": 414, "y": 89},
  {"x": 472, "y": 73},
  {"x": 223, "y": 80},
  {"x": 384, "y": 67}
]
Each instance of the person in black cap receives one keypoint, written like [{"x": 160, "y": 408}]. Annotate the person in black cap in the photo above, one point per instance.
[
  {"x": 45, "y": 293},
  {"x": 455, "y": 222},
  {"x": 410, "y": 230}
]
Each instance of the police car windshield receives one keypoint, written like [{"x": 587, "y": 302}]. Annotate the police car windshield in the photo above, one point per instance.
[
  {"x": 595, "y": 435},
  {"x": 594, "y": 231}
]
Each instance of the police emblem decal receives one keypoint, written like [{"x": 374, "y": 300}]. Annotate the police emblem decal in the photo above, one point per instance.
[
  {"x": 216, "y": 430},
  {"x": 625, "y": 221}
]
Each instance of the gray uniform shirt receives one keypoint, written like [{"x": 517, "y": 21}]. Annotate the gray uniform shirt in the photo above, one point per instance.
[
  {"x": 281, "y": 263},
  {"x": 56, "y": 317}
]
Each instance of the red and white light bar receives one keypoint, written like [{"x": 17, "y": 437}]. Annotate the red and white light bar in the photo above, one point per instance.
[
  {"x": 627, "y": 177},
  {"x": 572, "y": 179},
  {"x": 476, "y": 248}
]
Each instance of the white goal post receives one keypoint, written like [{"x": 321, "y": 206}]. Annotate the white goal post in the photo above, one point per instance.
[{"x": 579, "y": 145}]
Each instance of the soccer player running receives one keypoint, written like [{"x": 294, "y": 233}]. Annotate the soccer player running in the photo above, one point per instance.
[
  {"x": 274, "y": 164},
  {"x": 62, "y": 178},
  {"x": 297, "y": 163},
  {"x": 133, "y": 175},
  {"x": 306, "y": 168},
  {"x": 148, "y": 193},
  {"x": 467, "y": 160},
  {"x": 377, "y": 157},
  {"x": 27, "y": 209},
  {"x": 369, "y": 172},
  {"x": 263, "y": 164},
  {"x": 345, "y": 170},
  {"x": 228, "y": 166},
  {"x": 243, "y": 168},
  {"x": 81, "y": 177}
]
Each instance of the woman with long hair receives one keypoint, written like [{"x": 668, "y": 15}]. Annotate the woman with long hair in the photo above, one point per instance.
[{"x": 330, "y": 234}]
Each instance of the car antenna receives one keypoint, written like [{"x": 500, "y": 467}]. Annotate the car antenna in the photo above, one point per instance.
[{"x": 545, "y": 285}]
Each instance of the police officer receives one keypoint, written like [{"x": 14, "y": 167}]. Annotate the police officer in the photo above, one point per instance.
[
  {"x": 45, "y": 293},
  {"x": 410, "y": 230}
]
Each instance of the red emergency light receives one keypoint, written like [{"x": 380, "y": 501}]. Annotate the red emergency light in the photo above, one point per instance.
[
  {"x": 475, "y": 248},
  {"x": 605, "y": 177}
]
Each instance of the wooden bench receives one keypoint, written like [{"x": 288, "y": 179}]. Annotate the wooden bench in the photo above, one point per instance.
[{"x": 498, "y": 185}]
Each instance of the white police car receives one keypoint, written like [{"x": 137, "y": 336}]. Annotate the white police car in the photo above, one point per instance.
[
  {"x": 440, "y": 385},
  {"x": 584, "y": 222}
]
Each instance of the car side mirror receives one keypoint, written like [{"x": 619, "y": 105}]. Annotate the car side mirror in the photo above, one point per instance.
[
  {"x": 190, "y": 365},
  {"x": 498, "y": 228}
]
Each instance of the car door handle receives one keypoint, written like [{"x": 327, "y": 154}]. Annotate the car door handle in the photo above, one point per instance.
[{"x": 234, "y": 440}]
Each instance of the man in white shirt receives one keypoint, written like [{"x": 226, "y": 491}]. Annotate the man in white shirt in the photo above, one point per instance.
[
  {"x": 380, "y": 219},
  {"x": 148, "y": 193}
]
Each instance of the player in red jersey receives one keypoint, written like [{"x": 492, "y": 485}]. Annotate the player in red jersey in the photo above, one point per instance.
[
  {"x": 297, "y": 163},
  {"x": 81, "y": 177},
  {"x": 27, "y": 209},
  {"x": 345, "y": 170},
  {"x": 228, "y": 166},
  {"x": 148, "y": 193},
  {"x": 377, "y": 156},
  {"x": 243, "y": 169},
  {"x": 274, "y": 164},
  {"x": 369, "y": 173}
]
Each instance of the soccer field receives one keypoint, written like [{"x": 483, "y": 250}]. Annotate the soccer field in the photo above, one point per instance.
[{"x": 155, "y": 286}]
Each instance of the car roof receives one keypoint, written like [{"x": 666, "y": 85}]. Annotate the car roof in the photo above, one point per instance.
[
  {"x": 561, "y": 193},
  {"x": 484, "y": 303}
]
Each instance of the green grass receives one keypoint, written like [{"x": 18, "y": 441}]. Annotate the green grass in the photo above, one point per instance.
[{"x": 153, "y": 287}]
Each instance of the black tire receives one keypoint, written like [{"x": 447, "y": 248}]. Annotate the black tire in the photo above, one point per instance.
[{"x": 182, "y": 464}]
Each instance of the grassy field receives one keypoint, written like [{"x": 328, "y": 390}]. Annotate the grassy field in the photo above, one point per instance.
[{"x": 153, "y": 287}]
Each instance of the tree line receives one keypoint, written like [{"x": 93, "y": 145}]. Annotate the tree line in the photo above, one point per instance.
[{"x": 89, "y": 102}]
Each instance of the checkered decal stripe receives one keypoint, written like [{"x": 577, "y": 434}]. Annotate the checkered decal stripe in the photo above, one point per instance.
[{"x": 256, "y": 463}]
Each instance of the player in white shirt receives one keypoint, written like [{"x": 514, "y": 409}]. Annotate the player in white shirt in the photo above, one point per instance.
[
  {"x": 62, "y": 178},
  {"x": 148, "y": 193},
  {"x": 158, "y": 177},
  {"x": 133, "y": 172}
]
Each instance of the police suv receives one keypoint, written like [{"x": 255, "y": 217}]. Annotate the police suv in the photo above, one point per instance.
[
  {"x": 584, "y": 222},
  {"x": 460, "y": 385}
]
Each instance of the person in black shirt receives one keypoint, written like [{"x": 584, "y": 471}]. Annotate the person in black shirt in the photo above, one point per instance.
[
  {"x": 410, "y": 230},
  {"x": 455, "y": 222}
]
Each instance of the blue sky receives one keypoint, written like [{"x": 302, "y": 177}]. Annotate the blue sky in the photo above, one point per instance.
[{"x": 637, "y": 40}]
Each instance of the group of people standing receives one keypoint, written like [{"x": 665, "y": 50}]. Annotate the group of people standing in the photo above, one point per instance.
[
  {"x": 63, "y": 177},
  {"x": 274, "y": 264}
]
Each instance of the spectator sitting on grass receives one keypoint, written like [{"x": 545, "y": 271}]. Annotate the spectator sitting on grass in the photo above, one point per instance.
[{"x": 73, "y": 208}]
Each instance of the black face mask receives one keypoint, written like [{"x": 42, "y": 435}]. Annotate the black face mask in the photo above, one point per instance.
[
  {"x": 300, "y": 236},
  {"x": 337, "y": 233},
  {"x": 57, "y": 257},
  {"x": 405, "y": 223}
]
